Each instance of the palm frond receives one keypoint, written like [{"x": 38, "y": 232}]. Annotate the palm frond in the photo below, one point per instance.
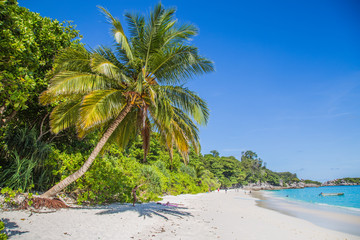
[
  {"x": 126, "y": 131},
  {"x": 118, "y": 33},
  {"x": 178, "y": 35},
  {"x": 105, "y": 67},
  {"x": 109, "y": 55},
  {"x": 75, "y": 58},
  {"x": 188, "y": 101},
  {"x": 179, "y": 63},
  {"x": 65, "y": 115},
  {"x": 100, "y": 106},
  {"x": 136, "y": 24},
  {"x": 66, "y": 82},
  {"x": 93, "y": 87}
]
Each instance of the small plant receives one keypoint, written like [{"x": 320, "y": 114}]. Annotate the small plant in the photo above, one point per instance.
[
  {"x": 29, "y": 199},
  {"x": 10, "y": 196},
  {"x": 3, "y": 236}
]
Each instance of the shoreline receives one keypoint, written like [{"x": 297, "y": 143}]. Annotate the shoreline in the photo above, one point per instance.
[
  {"x": 214, "y": 215},
  {"x": 255, "y": 187},
  {"x": 328, "y": 216}
]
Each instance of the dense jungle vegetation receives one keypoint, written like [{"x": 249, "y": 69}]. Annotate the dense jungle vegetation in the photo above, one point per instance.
[{"x": 33, "y": 158}]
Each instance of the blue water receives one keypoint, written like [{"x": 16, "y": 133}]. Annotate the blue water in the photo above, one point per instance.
[{"x": 350, "y": 199}]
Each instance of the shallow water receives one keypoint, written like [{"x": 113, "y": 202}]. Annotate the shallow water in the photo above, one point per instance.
[
  {"x": 329, "y": 213},
  {"x": 350, "y": 199}
]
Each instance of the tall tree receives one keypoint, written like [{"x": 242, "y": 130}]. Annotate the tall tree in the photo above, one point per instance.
[
  {"x": 137, "y": 89},
  {"x": 215, "y": 153}
]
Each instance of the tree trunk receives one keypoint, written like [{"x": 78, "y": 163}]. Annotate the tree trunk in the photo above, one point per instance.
[{"x": 76, "y": 175}]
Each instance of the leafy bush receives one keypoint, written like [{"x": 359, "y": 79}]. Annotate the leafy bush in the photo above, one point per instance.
[
  {"x": 10, "y": 195},
  {"x": 188, "y": 170},
  {"x": 3, "y": 236},
  {"x": 109, "y": 178}
]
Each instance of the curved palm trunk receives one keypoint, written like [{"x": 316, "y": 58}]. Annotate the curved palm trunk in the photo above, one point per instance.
[{"x": 76, "y": 175}]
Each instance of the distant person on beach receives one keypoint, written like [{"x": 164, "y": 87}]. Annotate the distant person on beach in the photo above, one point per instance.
[
  {"x": 218, "y": 189},
  {"x": 134, "y": 193},
  {"x": 226, "y": 190}
]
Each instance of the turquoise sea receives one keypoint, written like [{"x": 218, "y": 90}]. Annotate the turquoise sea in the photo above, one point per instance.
[
  {"x": 340, "y": 213},
  {"x": 350, "y": 199}
]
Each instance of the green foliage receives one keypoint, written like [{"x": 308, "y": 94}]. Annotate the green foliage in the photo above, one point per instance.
[
  {"x": 226, "y": 169},
  {"x": 352, "y": 180},
  {"x": 3, "y": 236},
  {"x": 20, "y": 173},
  {"x": 231, "y": 172},
  {"x": 307, "y": 181},
  {"x": 88, "y": 90},
  {"x": 287, "y": 177},
  {"x": 215, "y": 153},
  {"x": 143, "y": 80},
  {"x": 253, "y": 167},
  {"x": 10, "y": 195},
  {"x": 28, "y": 43},
  {"x": 272, "y": 178},
  {"x": 114, "y": 174},
  {"x": 188, "y": 170},
  {"x": 109, "y": 179},
  {"x": 26, "y": 166},
  {"x": 25, "y": 141},
  {"x": 348, "y": 180}
]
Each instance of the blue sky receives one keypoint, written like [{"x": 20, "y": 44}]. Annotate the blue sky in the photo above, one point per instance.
[{"x": 287, "y": 80}]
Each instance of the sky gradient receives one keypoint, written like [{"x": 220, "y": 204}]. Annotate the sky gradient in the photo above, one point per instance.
[{"x": 287, "y": 80}]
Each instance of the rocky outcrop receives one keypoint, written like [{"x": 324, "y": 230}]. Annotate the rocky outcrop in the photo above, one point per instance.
[
  {"x": 339, "y": 182},
  {"x": 267, "y": 186}
]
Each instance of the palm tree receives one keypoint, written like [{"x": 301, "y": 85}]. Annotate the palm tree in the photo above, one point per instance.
[{"x": 137, "y": 89}]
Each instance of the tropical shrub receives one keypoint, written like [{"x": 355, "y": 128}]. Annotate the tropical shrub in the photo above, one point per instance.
[
  {"x": 3, "y": 236},
  {"x": 9, "y": 196},
  {"x": 28, "y": 44}
]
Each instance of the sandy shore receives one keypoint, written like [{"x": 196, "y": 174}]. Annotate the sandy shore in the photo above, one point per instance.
[{"x": 216, "y": 215}]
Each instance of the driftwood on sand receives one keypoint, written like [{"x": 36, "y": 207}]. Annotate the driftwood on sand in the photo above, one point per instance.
[
  {"x": 38, "y": 203},
  {"x": 34, "y": 204}
]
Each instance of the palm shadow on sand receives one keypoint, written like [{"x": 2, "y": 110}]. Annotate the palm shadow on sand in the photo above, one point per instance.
[
  {"x": 10, "y": 228},
  {"x": 146, "y": 210}
]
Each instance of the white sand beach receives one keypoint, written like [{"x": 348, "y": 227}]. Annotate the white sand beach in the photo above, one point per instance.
[{"x": 215, "y": 215}]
